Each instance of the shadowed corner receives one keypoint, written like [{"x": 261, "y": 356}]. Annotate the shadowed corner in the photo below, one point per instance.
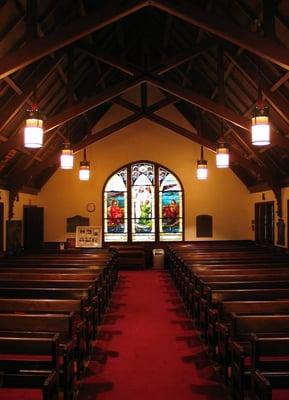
[
  {"x": 116, "y": 306},
  {"x": 91, "y": 390},
  {"x": 191, "y": 341},
  {"x": 107, "y": 335},
  {"x": 185, "y": 324},
  {"x": 102, "y": 356},
  {"x": 175, "y": 301},
  {"x": 199, "y": 359},
  {"x": 111, "y": 319},
  {"x": 206, "y": 389},
  {"x": 122, "y": 287},
  {"x": 179, "y": 311}
]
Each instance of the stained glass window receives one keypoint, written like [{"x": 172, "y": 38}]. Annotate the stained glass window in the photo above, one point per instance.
[
  {"x": 143, "y": 203},
  {"x": 115, "y": 208},
  {"x": 170, "y": 207}
]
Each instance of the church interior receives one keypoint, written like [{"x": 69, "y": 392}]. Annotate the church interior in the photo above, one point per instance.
[{"x": 144, "y": 197}]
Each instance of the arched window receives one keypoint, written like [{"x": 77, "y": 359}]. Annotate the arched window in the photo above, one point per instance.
[{"x": 143, "y": 202}]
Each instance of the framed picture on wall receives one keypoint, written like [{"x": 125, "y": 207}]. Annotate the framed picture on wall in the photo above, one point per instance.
[{"x": 88, "y": 236}]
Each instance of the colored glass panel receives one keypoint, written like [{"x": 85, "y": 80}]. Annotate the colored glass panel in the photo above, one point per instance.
[
  {"x": 115, "y": 208},
  {"x": 170, "y": 207},
  {"x": 143, "y": 202},
  {"x": 142, "y": 173},
  {"x": 167, "y": 181}
]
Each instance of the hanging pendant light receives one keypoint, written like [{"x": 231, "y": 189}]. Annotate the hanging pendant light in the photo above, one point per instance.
[
  {"x": 66, "y": 158},
  {"x": 260, "y": 128},
  {"x": 202, "y": 167},
  {"x": 84, "y": 168},
  {"x": 33, "y": 130},
  {"x": 222, "y": 156},
  {"x": 260, "y": 125}
]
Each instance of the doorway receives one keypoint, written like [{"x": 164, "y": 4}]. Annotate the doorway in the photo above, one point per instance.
[{"x": 264, "y": 223}]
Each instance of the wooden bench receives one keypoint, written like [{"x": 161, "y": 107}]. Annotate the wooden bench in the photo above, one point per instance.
[
  {"x": 269, "y": 367},
  {"x": 202, "y": 303},
  {"x": 239, "y": 331},
  {"x": 223, "y": 310},
  {"x": 81, "y": 311},
  {"x": 29, "y": 363},
  {"x": 35, "y": 325}
]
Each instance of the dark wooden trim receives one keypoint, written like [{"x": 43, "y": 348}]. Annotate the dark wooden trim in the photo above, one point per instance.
[{"x": 1, "y": 227}]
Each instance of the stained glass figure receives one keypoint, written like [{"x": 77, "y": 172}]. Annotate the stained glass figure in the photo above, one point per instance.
[
  {"x": 145, "y": 186},
  {"x": 170, "y": 206},
  {"x": 115, "y": 208},
  {"x": 142, "y": 177}
]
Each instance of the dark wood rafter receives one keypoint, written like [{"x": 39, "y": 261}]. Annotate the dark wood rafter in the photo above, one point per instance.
[
  {"x": 224, "y": 28},
  {"x": 200, "y": 101},
  {"x": 105, "y": 95},
  {"x": 250, "y": 71},
  {"x": 11, "y": 108},
  {"x": 66, "y": 35},
  {"x": 269, "y": 11},
  {"x": 31, "y": 20},
  {"x": 177, "y": 49}
]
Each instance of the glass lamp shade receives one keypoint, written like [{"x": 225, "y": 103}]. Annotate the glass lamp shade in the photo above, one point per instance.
[
  {"x": 202, "y": 169},
  {"x": 66, "y": 158},
  {"x": 222, "y": 157},
  {"x": 84, "y": 170},
  {"x": 33, "y": 133},
  {"x": 260, "y": 127}
]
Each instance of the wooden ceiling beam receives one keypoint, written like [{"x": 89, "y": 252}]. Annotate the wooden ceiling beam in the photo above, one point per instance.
[
  {"x": 104, "y": 96},
  {"x": 66, "y": 35},
  {"x": 12, "y": 107},
  {"x": 276, "y": 100},
  {"x": 284, "y": 78},
  {"x": 182, "y": 58},
  {"x": 101, "y": 55},
  {"x": 226, "y": 29},
  {"x": 71, "y": 112},
  {"x": 200, "y": 101},
  {"x": 107, "y": 131},
  {"x": 201, "y": 140}
]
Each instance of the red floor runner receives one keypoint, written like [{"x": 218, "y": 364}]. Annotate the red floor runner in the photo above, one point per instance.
[{"x": 147, "y": 347}]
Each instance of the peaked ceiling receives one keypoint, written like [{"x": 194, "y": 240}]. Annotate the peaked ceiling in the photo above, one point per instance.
[{"x": 78, "y": 58}]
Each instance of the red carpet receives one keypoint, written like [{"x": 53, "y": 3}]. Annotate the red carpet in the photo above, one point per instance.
[{"x": 147, "y": 347}]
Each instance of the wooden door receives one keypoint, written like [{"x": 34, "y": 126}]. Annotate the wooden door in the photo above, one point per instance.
[
  {"x": 1, "y": 227},
  {"x": 33, "y": 229},
  {"x": 264, "y": 223}
]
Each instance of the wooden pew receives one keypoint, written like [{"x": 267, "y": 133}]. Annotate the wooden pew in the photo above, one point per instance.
[
  {"x": 38, "y": 366},
  {"x": 269, "y": 367},
  {"x": 86, "y": 294},
  {"x": 223, "y": 310},
  {"x": 239, "y": 330},
  {"x": 105, "y": 279},
  {"x": 15, "y": 324},
  {"x": 195, "y": 275},
  {"x": 201, "y": 299},
  {"x": 81, "y": 310},
  {"x": 58, "y": 293}
]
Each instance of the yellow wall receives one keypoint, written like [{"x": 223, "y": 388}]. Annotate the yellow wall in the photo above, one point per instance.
[{"x": 222, "y": 195}]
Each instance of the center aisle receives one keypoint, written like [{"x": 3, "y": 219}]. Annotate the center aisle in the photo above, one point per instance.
[{"x": 147, "y": 347}]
